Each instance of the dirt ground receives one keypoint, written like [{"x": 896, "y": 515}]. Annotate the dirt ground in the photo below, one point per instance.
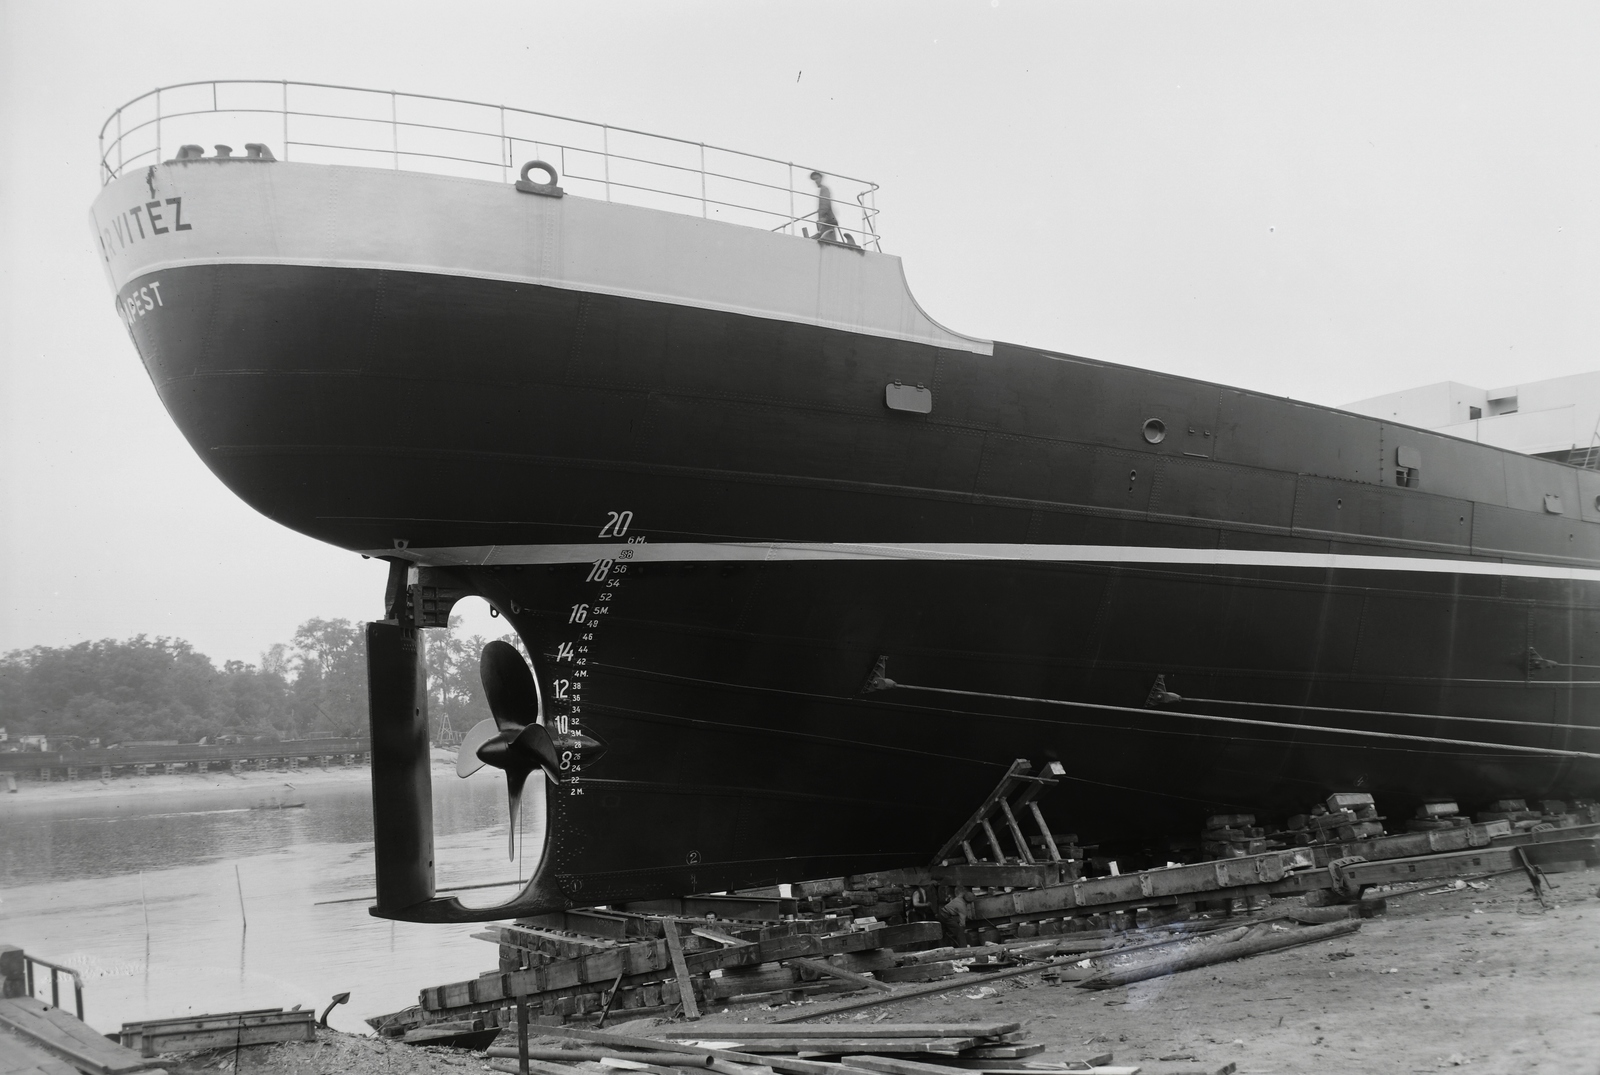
[{"x": 1485, "y": 980}]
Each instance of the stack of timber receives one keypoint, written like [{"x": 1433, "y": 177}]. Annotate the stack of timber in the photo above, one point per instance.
[
  {"x": 1550, "y": 813},
  {"x": 663, "y": 964},
  {"x": 1345, "y": 817},
  {"x": 762, "y": 1049},
  {"x": 1438, "y": 814},
  {"x": 1235, "y": 836}
]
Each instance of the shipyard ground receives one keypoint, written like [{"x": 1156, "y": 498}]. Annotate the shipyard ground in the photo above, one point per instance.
[{"x": 1485, "y": 980}]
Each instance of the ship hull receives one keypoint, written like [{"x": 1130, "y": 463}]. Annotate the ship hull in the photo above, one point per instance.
[{"x": 809, "y": 631}]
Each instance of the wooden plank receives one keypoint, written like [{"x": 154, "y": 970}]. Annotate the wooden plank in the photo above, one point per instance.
[
  {"x": 931, "y": 989},
  {"x": 227, "y": 1037},
  {"x": 888, "y": 1066},
  {"x": 720, "y": 938},
  {"x": 578, "y": 1056},
  {"x": 1016, "y": 833},
  {"x": 253, "y": 1017},
  {"x": 17, "y": 1057},
  {"x": 737, "y": 1031},
  {"x": 843, "y": 1043},
  {"x": 680, "y": 967},
  {"x": 785, "y": 1064},
  {"x": 723, "y": 1067},
  {"x": 994, "y": 841},
  {"x": 225, "y": 1030},
  {"x": 930, "y": 971},
  {"x": 535, "y": 1067},
  {"x": 58, "y": 1033},
  {"x": 1003, "y": 1052},
  {"x": 836, "y": 1047},
  {"x": 824, "y": 967},
  {"x": 1044, "y": 830}
]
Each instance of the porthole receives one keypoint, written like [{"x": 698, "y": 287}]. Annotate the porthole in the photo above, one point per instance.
[{"x": 1155, "y": 431}]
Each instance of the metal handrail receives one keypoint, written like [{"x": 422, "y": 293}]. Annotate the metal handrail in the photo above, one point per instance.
[
  {"x": 168, "y": 116},
  {"x": 56, "y": 969}
]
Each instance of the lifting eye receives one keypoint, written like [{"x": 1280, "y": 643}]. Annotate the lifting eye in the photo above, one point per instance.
[{"x": 1155, "y": 430}]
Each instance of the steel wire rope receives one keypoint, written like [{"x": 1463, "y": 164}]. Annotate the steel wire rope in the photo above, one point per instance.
[
  {"x": 667, "y": 717},
  {"x": 1395, "y": 713},
  {"x": 1542, "y": 751}
]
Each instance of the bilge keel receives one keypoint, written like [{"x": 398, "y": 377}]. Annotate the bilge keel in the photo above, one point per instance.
[{"x": 799, "y": 569}]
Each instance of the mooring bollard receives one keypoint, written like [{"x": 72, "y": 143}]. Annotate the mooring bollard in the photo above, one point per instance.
[{"x": 13, "y": 971}]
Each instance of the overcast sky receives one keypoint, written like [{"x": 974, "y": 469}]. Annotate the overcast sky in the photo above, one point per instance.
[{"x": 1325, "y": 201}]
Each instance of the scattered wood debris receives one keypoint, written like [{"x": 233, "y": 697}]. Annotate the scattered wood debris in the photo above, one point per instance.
[{"x": 1005, "y": 881}]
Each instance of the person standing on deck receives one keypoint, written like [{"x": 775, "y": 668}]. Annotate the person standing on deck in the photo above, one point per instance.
[{"x": 827, "y": 223}]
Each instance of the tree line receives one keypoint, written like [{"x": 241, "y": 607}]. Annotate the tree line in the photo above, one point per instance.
[{"x": 143, "y": 688}]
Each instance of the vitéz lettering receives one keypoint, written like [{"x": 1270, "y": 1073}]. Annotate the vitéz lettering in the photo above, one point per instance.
[{"x": 141, "y": 222}]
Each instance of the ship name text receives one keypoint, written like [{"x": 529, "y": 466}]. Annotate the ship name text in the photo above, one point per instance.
[
  {"x": 139, "y": 301},
  {"x": 141, "y": 222}
]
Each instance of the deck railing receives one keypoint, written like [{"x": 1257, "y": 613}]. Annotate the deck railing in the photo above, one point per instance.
[
  {"x": 55, "y": 969},
  {"x": 327, "y": 124}
]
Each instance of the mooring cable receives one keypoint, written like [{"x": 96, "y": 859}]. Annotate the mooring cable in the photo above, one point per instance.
[
  {"x": 1394, "y": 713},
  {"x": 1143, "y": 711}
]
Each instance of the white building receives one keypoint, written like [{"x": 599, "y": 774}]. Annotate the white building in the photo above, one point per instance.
[{"x": 1558, "y": 419}]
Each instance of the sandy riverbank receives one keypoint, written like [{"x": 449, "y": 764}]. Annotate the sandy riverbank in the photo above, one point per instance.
[{"x": 256, "y": 784}]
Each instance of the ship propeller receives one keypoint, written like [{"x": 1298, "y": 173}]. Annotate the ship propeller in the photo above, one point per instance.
[{"x": 513, "y": 739}]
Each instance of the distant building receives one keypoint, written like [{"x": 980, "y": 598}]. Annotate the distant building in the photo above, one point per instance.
[{"x": 1557, "y": 419}]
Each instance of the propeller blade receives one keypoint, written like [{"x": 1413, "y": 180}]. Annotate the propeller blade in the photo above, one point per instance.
[
  {"x": 514, "y": 783},
  {"x": 508, "y": 686},
  {"x": 467, "y": 760}
]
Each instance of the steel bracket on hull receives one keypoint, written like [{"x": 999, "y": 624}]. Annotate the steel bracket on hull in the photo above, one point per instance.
[{"x": 420, "y": 596}]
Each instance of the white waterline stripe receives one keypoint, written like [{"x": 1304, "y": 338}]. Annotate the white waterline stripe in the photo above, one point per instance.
[{"x": 735, "y": 551}]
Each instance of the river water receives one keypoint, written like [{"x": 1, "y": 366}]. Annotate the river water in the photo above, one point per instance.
[{"x": 180, "y": 901}]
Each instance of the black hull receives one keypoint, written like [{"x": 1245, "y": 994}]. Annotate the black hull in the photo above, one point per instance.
[{"x": 456, "y": 421}]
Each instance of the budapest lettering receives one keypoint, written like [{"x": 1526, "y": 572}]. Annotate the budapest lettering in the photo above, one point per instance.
[{"x": 139, "y": 301}]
